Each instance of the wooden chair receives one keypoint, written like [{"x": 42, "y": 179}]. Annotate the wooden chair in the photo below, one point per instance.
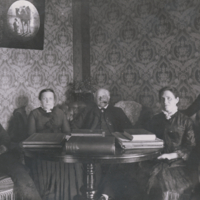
[{"x": 6, "y": 188}]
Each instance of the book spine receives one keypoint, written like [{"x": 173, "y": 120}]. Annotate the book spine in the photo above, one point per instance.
[
  {"x": 78, "y": 149},
  {"x": 144, "y": 147},
  {"x": 142, "y": 143},
  {"x": 93, "y": 146},
  {"x": 141, "y": 147},
  {"x": 143, "y": 138},
  {"x": 87, "y": 135}
]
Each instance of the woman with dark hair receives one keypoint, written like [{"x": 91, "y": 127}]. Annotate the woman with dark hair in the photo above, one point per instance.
[
  {"x": 169, "y": 177},
  {"x": 55, "y": 180}
]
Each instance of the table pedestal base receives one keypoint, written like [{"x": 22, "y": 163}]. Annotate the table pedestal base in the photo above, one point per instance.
[{"x": 90, "y": 181}]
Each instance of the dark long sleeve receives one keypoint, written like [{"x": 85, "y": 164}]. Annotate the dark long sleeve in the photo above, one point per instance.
[
  {"x": 65, "y": 125},
  {"x": 31, "y": 124},
  {"x": 4, "y": 138},
  {"x": 188, "y": 141}
]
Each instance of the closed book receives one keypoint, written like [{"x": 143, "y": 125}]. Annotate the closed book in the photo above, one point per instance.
[
  {"x": 131, "y": 135},
  {"x": 91, "y": 145},
  {"x": 157, "y": 143},
  {"x": 87, "y": 132},
  {"x": 44, "y": 140},
  {"x": 42, "y": 145},
  {"x": 142, "y": 147},
  {"x": 139, "y": 134}
]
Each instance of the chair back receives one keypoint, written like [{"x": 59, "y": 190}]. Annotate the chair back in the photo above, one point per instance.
[{"x": 132, "y": 110}]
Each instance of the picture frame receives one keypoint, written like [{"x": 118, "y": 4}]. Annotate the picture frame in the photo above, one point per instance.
[{"x": 22, "y": 24}]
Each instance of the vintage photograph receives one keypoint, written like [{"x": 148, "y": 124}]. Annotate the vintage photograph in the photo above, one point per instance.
[
  {"x": 22, "y": 24},
  {"x": 99, "y": 99}
]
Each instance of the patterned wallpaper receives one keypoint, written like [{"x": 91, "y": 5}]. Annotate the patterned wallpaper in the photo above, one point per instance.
[
  {"x": 137, "y": 47},
  {"x": 25, "y": 72}
]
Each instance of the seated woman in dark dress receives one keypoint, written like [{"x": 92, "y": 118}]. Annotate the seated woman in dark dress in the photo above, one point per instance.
[
  {"x": 55, "y": 180},
  {"x": 169, "y": 177}
]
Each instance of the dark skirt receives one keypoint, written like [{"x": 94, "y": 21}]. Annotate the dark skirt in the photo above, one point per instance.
[
  {"x": 57, "y": 180},
  {"x": 168, "y": 181}
]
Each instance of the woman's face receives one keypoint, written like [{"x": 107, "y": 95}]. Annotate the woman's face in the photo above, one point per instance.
[
  {"x": 168, "y": 100},
  {"x": 47, "y": 100}
]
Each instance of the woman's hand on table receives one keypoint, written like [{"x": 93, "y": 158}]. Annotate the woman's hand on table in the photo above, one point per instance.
[{"x": 168, "y": 156}]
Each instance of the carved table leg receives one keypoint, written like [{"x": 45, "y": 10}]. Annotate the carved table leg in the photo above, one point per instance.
[{"x": 90, "y": 181}]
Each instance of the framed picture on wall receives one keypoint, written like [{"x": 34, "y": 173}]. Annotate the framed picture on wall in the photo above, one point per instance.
[{"x": 22, "y": 24}]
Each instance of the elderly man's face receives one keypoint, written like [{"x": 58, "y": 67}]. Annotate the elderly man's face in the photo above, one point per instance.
[{"x": 102, "y": 99}]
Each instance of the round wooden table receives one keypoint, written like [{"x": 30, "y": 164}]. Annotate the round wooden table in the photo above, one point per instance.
[{"x": 120, "y": 156}]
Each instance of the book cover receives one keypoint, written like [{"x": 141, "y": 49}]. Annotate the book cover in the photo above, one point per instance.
[
  {"x": 45, "y": 139},
  {"x": 90, "y": 145},
  {"x": 139, "y": 134},
  {"x": 141, "y": 147},
  {"x": 127, "y": 135},
  {"x": 157, "y": 141}
]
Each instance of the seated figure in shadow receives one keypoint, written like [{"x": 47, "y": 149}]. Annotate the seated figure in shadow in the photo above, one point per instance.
[
  {"x": 10, "y": 165},
  {"x": 169, "y": 176},
  {"x": 17, "y": 129},
  {"x": 194, "y": 111}
]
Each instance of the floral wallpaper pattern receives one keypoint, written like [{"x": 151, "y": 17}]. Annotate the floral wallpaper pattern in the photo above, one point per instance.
[
  {"x": 25, "y": 72},
  {"x": 137, "y": 47}
]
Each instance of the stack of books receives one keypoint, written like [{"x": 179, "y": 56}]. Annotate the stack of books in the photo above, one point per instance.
[
  {"x": 45, "y": 140},
  {"x": 138, "y": 139}
]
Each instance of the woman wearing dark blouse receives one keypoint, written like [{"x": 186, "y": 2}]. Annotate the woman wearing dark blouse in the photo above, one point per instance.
[
  {"x": 169, "y": 177},
  {"x": 55, "y": 180}
]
